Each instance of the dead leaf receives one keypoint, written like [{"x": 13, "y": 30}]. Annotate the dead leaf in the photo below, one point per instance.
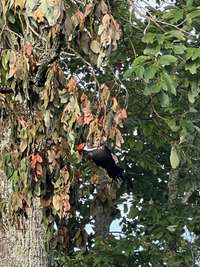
[
  {"x": 35, "y": 158},
  {"x": 70, "y": 113},
  {"x": 57, "y": 202},
  {"x": 94, "y": 179},
  {"x": 120, "y": 116},
  {"x": 12, "y": 64},
  {"x": 105, "y": 94},
  {"x": 115, "y": 105},
  {"x": 68, "y": 27},
  {"x": 87, "y": 115},
  {"x": 66, "y": 204},
  {"x": 95, "y": 46},
  {"x": 39, "y": 15},
  {"x": 18, "y": 201},
  {"x": 84, "y": 42},
  {"x": 80, "y": 17},
  {"x": 28, "y": 49},
  {"x": 101, "y": 9},
  {"x": 20, "y": 4},
  {"x": 71, "y": 85},
  {"x": 118, "y": 138},
  {"x": 61, "y": 203},
  {"x": 88, "y": 10}
]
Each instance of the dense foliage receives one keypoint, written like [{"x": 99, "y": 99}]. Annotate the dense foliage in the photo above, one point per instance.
[{"x": 67, "y": 87}]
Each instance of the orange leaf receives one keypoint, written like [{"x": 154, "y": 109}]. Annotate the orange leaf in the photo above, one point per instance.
[
  {"x": 39, "y": 15},
  {"x": 35, "y": 158},
  {"x": 71, "y": 85},
  {"x": 94, "y": 179}
]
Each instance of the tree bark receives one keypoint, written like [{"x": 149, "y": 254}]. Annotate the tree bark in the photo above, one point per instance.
[
  {"x": 21, "y": 246},
  {"x": 104, "y": 207}
]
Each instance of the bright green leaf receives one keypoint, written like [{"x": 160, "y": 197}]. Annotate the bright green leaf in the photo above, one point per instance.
[{"x": 174, "y": 158}]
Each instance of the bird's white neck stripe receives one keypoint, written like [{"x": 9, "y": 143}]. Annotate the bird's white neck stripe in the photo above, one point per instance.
[{"x": 88, "y": 149}]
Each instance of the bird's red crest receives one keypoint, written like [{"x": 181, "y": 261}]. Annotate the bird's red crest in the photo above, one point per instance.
[{"x": 80, "y": 147}]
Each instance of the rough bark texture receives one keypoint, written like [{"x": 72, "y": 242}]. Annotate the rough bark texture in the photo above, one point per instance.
[
  {"x": 104, "y": 208},
  {"x": 22, "y": 245}
]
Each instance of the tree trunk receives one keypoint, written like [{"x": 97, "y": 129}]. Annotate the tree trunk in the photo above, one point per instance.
[
  {"x": 104, "y": 207},
  {"x": 21, "y": 246}
]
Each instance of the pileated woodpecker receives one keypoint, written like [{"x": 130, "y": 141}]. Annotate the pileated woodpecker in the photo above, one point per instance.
[{"x": 102, "y": 157}]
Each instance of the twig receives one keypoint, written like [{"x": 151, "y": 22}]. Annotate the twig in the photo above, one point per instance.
[{"x": 122, "y": 85}]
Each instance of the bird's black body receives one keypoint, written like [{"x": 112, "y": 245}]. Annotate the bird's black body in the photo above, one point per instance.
[{"x": 102, "y": 157}]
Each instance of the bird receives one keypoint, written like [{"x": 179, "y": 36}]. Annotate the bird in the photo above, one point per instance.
[{"x": 102, "y": 157}]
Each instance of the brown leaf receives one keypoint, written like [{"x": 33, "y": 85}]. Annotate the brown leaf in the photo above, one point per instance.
[
  {"x": 84, "y": 42},
  {"x": 12, "y": 64},
  {"x": 66, "y": 204},
  {"x": 68, "y": 27},
  {"x": 38, "y": 15},
  {"x": 101, "y": 8},
  {"x": 88, "y": 10},
  {"x": 80, "y": 17},
  {"x": 35, "y": 158},
  {"x": 120, "y": 116},
  {"x": 70, "y": 113},
  {"x": 118, "y": 138},
  {"x": 18, "y": 201},
  {"x": 57, "y": 202},
  {"x": 105, "y": 94},
  {"x": 28, "y": 49},
  {"x": 94, "y": 179},
  {"x": 87, "y": 115},
  {"x": 20, "y": 4},
  {"x": 39, "y": 169},
  {"x": 71, "y": 85},
  {"x": 95, "y": 46},
  {"x": 115, "y": 105}
]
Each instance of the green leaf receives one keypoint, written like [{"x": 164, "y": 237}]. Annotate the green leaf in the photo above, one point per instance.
[
  {"x": 189, "y": 3},
  {"x": 5, "y": 59},
  {"x": 194, "y": 14},
  {"x": 192, "y": 68},
  {"x": 175, "y": 34},
  {"x": 172, "y": 125},
  {"x": 174, "y": 15},
  {"x": 150, "y": 72},
  {"x": 172, "y": 228},
  {"x": 139, "y": 71},
  {"x": 152, "y": 89},
  {"x": 168, "y": 83},
  {"x": 174, "y": 158},
  {"x": 193, "y": 53},
  {"x": 167, "y": 60},
  {"x": 140, "y": 60},
  {"x": 179, "y": 49},
  {"x": 164, "y": 100},
  {"x": 149, "y": 38},
  {"x": 152, "y": 50}
]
